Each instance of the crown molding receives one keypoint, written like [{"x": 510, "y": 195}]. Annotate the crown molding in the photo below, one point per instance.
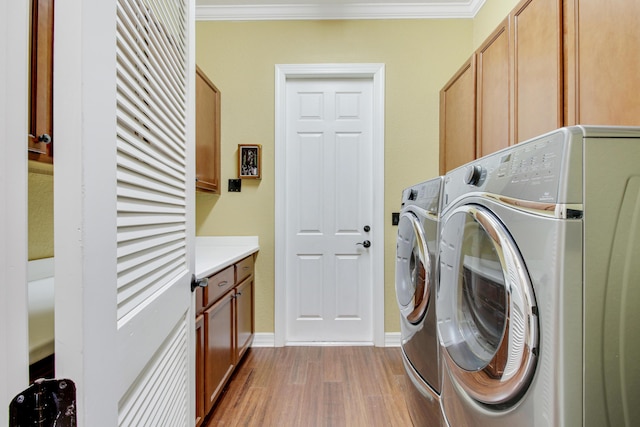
[{"x": 324, "y": 11}]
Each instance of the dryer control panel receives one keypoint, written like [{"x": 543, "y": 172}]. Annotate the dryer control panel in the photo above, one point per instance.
[{"x": 534, "y": 171}]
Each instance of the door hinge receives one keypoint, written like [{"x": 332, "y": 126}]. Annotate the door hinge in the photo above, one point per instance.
[{"x": 46, "y": 403}]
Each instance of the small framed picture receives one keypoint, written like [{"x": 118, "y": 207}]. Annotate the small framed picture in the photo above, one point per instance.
[{"x": 249, "y": 161}]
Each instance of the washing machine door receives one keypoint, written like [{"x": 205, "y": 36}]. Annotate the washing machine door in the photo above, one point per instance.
[
  {"x": 413, "y": 268},
  {"x": 487, "y": 316}
]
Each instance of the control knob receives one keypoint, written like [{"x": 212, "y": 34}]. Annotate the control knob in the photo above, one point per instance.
[{"x": 473, "y": 174}]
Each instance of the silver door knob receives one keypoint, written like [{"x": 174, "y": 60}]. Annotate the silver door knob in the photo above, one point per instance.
[{"x": 195, "y": 283}]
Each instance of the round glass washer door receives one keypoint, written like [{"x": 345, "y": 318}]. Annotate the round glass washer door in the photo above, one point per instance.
[
  {"x": 413, "y": 269},
  {"x": 487, "y": 316}
]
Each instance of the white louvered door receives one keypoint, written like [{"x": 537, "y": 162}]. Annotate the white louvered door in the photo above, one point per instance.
[
  {"x": 124, "y": 218},
  {"x": 153, "y": 274}
]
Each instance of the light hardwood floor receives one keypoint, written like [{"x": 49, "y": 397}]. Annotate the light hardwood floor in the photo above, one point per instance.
[{"x": 316, "y": 386}]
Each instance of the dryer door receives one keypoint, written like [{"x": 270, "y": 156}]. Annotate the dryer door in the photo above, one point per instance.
[
  {"x": 413, "y": 268},
  {"x": 487, "y": 317}
]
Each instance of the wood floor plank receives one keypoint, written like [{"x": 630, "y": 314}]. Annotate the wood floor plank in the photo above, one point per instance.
[
  {"x": 333, "y": 398},
  {"x": 315, "y": 386}
]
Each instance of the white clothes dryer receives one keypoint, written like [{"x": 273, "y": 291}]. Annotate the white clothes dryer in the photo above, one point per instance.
[
  {"x": 540, "y": 283},
  {"x": 416, "y": 290}
]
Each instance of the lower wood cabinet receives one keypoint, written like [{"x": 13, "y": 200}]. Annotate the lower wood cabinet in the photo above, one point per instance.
[
  {"x": 219, "y": 351},
  {"x": 224, "y": 331},
  {"x": 244, "y": 317}
]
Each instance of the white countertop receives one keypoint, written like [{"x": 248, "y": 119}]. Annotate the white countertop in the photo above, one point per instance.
[{"x": 217, "y": 252}]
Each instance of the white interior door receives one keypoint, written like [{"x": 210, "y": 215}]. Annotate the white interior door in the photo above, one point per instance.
[
  {"x": 329, "y": 151},
  {"x": 14, "y": 355},
  {"x": 124, "y": 193}
]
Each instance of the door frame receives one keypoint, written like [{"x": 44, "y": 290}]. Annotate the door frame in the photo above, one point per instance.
[
  {"x": 14, "y": 336},
  {"x": 375, "y": 72}
]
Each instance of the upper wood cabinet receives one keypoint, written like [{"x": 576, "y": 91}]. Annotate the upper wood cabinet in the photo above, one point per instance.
[
  {"x": 551, "y": 63},
  {"x": 458, "y": 118},
  {"x": 207, "y": 134},
  {"x": 602, "y": 62},
  {"x": 40, "y": 138},
  {"x": 536, "y": 58},
  {"x": 492, "y": 125}
]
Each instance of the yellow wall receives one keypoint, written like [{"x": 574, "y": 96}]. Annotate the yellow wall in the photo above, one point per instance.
[
  {"x": 239, "y": 57},
  {"x": 40, "y": 211},
  {"x": 488, "y": 17}
]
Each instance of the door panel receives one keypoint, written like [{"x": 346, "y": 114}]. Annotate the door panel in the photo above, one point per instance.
[
  {"x": 458, "y": 118},
  {"x": 329, "y": 142},
  {"x": 14, "y": 332},
  {"x": 219, "y": 353},
  {"x": 486, "y": 309},
  {"x": 153, "y": 273},
  {"x": 536, "y": 44},
  {"x": 123, "y": 230},
  {"x": 244, "y": 317},
  {"x": 492, "y": 127},
  {"x": 600, "y": 74}
]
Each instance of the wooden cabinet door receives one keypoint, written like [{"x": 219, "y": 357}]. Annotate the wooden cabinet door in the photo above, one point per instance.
[
  {"x": 493, "y": 92},
  {"x": 244, "y": 318},
  {"x": 536, "y": 58},
  {"x": 200, "y": 396},
  {"x": 458, "y": 118},
  {"x": 41, "y": 87},
  {"x": 207, "y": 134},
  {"x": 219, "y": 353},
  {"x": 602, "y": 62}
]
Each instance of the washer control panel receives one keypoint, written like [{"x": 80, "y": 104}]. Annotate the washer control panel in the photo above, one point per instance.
[{"x": 425, "y": 195}]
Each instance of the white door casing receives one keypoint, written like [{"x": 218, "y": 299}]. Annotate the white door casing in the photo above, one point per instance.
[
  {"x": 14, "y": 60},
  {"x": 124, "y": 101},
  {"x": 328, "y": 163}
]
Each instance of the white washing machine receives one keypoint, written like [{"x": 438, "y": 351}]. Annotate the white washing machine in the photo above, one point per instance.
[
  {"x": 540, "y": 283},
  {"x": 416, "y": 288}
]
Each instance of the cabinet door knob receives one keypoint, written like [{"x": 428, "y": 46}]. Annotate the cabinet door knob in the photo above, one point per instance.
[{"x": 44, "y": 138}]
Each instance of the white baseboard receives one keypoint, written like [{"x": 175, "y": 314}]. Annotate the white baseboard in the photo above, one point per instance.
[
  {"x": 267, "y": 339},
  {"x": 263, "y": 339},
  {"x": 392, "y": 339}
]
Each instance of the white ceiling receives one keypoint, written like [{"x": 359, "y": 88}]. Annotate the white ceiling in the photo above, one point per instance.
[{"x": 252, "y": 10}]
